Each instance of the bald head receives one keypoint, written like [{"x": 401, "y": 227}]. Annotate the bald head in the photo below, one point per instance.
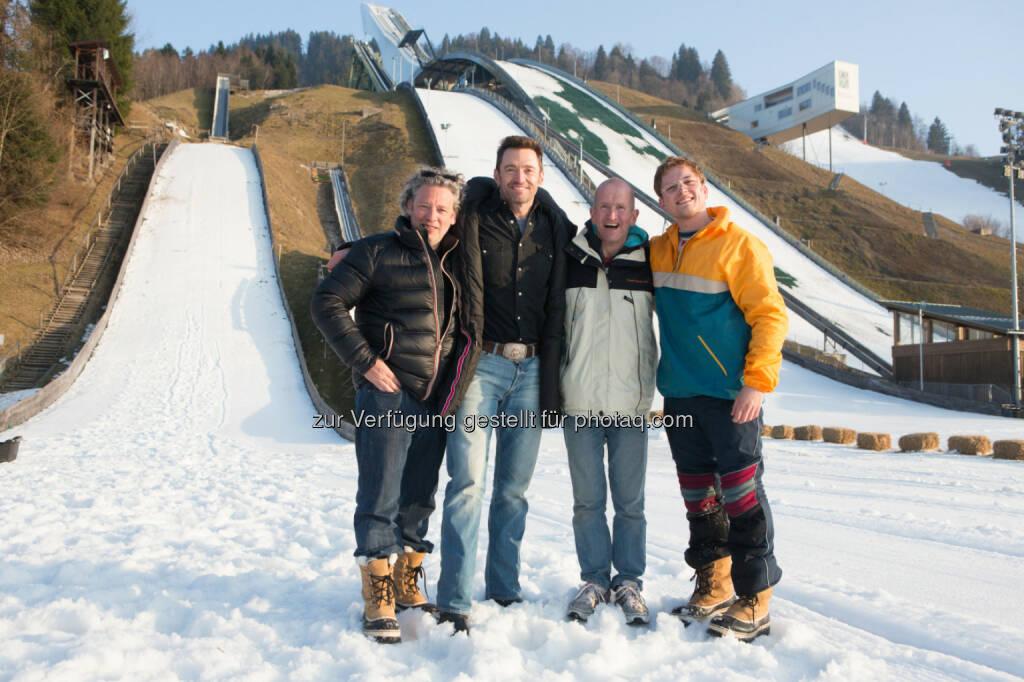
[{"x": 613, "y": 213}]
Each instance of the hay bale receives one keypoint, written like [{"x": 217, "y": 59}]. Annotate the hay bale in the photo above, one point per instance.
[
  {"x": 766, "y": 431},
  {"x": 837, "y": 434},
  {"x": 915, "y": 442},
  {"x": 807, "y": 433},
  {"x": 782, "y": 431},
  {"x": 874, "y": 441},
  {"x": 1008, "y": 449},
  {"x": 969, "y": 445}
]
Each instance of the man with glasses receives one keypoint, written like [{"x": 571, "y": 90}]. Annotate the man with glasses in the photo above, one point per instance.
[
  {"x": 506, "y": 370},
  {"x": 722, "y": 324}
]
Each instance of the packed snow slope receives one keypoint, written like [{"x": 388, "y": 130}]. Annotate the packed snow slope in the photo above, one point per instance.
[
  {"x": 920, "y": 185},
  {"x": 176, "y": 516},
  {"x": 635, "y": 154}
]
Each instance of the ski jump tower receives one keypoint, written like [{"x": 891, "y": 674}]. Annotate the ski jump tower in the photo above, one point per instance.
[{"x": 403, "y": 50}]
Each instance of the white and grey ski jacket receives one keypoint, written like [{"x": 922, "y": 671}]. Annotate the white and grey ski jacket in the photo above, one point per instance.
[{"x": 610, "y": 355}]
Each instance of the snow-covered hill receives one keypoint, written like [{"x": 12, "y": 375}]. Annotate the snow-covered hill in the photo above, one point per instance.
[
  {"x": 920, "y": 185},
  {"x": 176, "y": 516},
  {"x": 635, "y": 154}
]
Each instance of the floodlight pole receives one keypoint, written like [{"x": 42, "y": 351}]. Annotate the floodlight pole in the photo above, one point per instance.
[
  {"x": 920, "y": 345},
  {"x": 1016, "y": 315}
]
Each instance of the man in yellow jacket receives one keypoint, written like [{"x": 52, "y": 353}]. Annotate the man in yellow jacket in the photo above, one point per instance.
[{"x": 722, "y": 323}]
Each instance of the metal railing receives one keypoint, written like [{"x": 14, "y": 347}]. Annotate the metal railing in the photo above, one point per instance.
[
  {"x": 985, "y": 393},
  {"x": 102, "y": 214}
]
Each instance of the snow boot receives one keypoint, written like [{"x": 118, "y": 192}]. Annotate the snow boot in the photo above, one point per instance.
[
  {"x": 379, "y": 620},
  {"x": 712, "y": 595},
  {"x": 746, "y": 619},
  {"x": 407, "y": 571}
]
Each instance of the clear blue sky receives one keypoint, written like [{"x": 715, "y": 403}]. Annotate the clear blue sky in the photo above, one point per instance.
[{"x": 956, "y": 60}]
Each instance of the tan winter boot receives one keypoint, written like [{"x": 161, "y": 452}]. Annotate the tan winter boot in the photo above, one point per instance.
[
  {"x": 407, "y": 572},
  {"x": 712, "y": 595},
  {"x": 379, "y": 620},
  {"x": 746, "y": 619}
]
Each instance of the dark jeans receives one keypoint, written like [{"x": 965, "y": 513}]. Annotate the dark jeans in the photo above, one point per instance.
[
  {"x": 713, "y": 444},
  {"x": 398, "y": 470}
]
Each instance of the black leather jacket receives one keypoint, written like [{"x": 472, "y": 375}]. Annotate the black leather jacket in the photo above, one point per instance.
[
  {"x": 525, "y": 280},
  {"x": 396, "y": 283}
]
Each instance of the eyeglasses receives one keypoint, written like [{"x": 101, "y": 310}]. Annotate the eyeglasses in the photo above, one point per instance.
[{"x": 428, "y": 173}]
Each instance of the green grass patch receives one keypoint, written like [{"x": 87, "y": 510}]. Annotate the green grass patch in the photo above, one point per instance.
[
  {"x": 568, "y": 123},
  {"x": 784, "y": 278}
]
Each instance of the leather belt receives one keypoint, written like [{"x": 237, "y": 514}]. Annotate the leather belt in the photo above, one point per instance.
[{"x": 516, "y": 352}]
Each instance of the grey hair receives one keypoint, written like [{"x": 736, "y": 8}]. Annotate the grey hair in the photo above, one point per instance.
[{"x": 435, "y": 177}]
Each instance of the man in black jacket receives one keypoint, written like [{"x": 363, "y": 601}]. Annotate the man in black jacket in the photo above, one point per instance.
[
  {"x": 506, "y": 371},
  {"x": 404, "y": 294}
]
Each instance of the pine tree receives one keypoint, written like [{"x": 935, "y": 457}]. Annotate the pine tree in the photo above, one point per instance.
[
  {"x": 688, "y": 65},
  {"x": 938, "y": 137},
  {"x": 601, "y": 64},
  {"x": 721, "y": 76}
]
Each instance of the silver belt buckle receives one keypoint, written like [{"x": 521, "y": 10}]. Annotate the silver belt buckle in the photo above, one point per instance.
[{"x": 516, "y": 352}]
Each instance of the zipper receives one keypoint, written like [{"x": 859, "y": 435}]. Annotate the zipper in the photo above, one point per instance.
[
  {"x": 458, "y": 371},
  {"x": 712, "y": 354}
]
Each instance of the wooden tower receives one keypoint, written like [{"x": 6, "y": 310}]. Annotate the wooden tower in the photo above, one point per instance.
[{"x": 94, "y": 84}]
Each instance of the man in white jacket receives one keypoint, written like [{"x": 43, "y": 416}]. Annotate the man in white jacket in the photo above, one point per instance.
[{"x": 607, "y": 380}]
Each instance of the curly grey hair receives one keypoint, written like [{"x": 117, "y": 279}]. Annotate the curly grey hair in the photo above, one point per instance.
[{"x": 432, "y": 176}]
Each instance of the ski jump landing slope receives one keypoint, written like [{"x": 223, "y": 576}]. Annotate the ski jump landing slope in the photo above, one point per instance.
[
  {"x": 920, "y": 185},
  {"x": 636, "y": 156},
  {"x": 174, "y": 515}
]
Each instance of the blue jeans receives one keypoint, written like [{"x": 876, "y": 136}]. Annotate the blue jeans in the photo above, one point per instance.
[
  {"x": 398, "y": 470},
  {"x": 499, "y": 387},
  {"x": 626, "y": 546}
]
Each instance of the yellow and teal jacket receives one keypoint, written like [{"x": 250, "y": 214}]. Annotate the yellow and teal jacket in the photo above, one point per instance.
[{"x": 721, "y": 317}]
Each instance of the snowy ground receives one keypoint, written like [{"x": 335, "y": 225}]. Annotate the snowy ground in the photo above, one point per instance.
[
  {"x": 865, "y": 320},
  {"x": 176, "y": 516},
  {"x": 921, "y": 185}
]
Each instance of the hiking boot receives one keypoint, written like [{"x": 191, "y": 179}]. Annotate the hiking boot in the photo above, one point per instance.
[
  {"x": 379, "y": 620},
  {"x": 586, "y": 600},
  {"x": 712, "y": 595},
  {"x": 746, "y": 619},
  {"x": 628, "y": 597},
  {"x": 407, "y": 572},
  {"x": 459, "y": 620}
]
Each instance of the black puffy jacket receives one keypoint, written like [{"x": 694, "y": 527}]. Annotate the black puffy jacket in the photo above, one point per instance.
[{"x": 396, "y": 284}]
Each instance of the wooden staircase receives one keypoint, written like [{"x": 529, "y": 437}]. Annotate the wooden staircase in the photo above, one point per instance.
[{"x": 89, "y": 281}]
